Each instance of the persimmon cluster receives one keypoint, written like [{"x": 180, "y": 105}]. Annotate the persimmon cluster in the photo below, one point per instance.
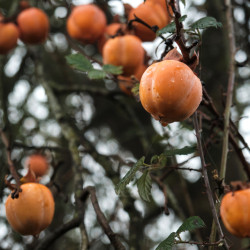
[
  {"x": 118, "y": 44},
  {"x": 169, "y": 90},
  {"x": 31, "y": 26}
]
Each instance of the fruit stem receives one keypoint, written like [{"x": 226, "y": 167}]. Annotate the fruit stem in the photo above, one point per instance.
[
  {"x": 206, "y": 180},
  {"x": 138, "y": 20}
]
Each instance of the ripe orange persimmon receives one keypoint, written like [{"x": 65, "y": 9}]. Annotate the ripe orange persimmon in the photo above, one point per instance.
[
  {"x": 125, "y": 51},
  {"x": 8, "y": 37},
  {"x": 38, "y": 164},
  {"x": 32, "y": 211},
  {"x": 110, "y": 30},
  {"x": 235, "y": 212},
  {"x": 170, "y": 91},
  {"x": 86, "y": 23},
  {"x": 153, "y": 14},
  {"x": 33, "y": 24}
]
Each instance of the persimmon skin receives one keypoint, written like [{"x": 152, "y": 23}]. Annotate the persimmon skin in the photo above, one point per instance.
[
  {"x": 32, "y": 211},
  {"x": 33, "y": 24},
  {"x": 170, "y": 91},
  {"x": 153, "y": 14},
  {"x": 109, "y": 31},
  {"x": 126, "y": 51},
  {"x": 235, "y": 212},
  {"x": 9, "y": 34},
  {"x": 86, "y": 23},
  {"x": 164, "y": 6},
  {"x": 38, "y": 164}
]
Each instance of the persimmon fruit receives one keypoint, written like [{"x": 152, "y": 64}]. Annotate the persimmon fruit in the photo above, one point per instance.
[
  {"x": 151, "y": 13},
  {"x": 32, "y": 211},
  {"x": 86, "y": 23},
  {"x": 109, "y": 31},
  {"x": 163, "y": 5},
  {"x": 8, "y": 37},
  {"x": 170, "y": 91},
  {"x": 38, "y": 164},
  {"x": 235, "y": 212},
  {"x": 125, "y": 51},
  {"x": 33, "y": 24}
]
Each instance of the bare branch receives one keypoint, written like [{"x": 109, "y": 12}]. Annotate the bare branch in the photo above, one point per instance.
[
  {"x": 43, "y": 245},
  {"x": 206, "y": 180},
  {"x": 15, "y": 193},
  {"x": 114, "y": 238},
  {"x": 230, "y": 88}
]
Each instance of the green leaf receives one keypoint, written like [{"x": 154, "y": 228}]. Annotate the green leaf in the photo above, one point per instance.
[
  {"x": 129, "y": 176},
  {"x": 79, "y": 62},
  {"x": 205, "y": 23},
  {"x": 144, "y": 185},
  {"x": 112, "y": 69},
  {"x": 170, "y": 28},
  {"x": 96, "y": 74},
  {"x": 168, "y": 243},
  {"x": 190, "y": 224},
  {"x": 181, "y": 151}
]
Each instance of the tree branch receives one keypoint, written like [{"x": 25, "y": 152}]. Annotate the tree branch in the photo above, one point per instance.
[
  {"x": 114, "y": 238},
  {"x": 210, "y": 105},
  {"x": 15, "y": 193},
  {"x": 43, "y": 245},
  {"x": 232, "y": 50},
  {"x": 206, "y": 180}
]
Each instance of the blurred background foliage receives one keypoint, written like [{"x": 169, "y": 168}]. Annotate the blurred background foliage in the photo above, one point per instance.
[{"x": 114, "y": 130}]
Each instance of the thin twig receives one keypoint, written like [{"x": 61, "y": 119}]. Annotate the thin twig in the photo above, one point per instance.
[
  {"x": 15, "y": 193},
  {"x": 114, "y": 238},
  {"x": 199, "y": 243},
  {"x": 206, "y": 180},
  {"x": 164, "y": 190},
  {"x": 210, "y": 105},
  {"x": 48, "y": 240}
]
